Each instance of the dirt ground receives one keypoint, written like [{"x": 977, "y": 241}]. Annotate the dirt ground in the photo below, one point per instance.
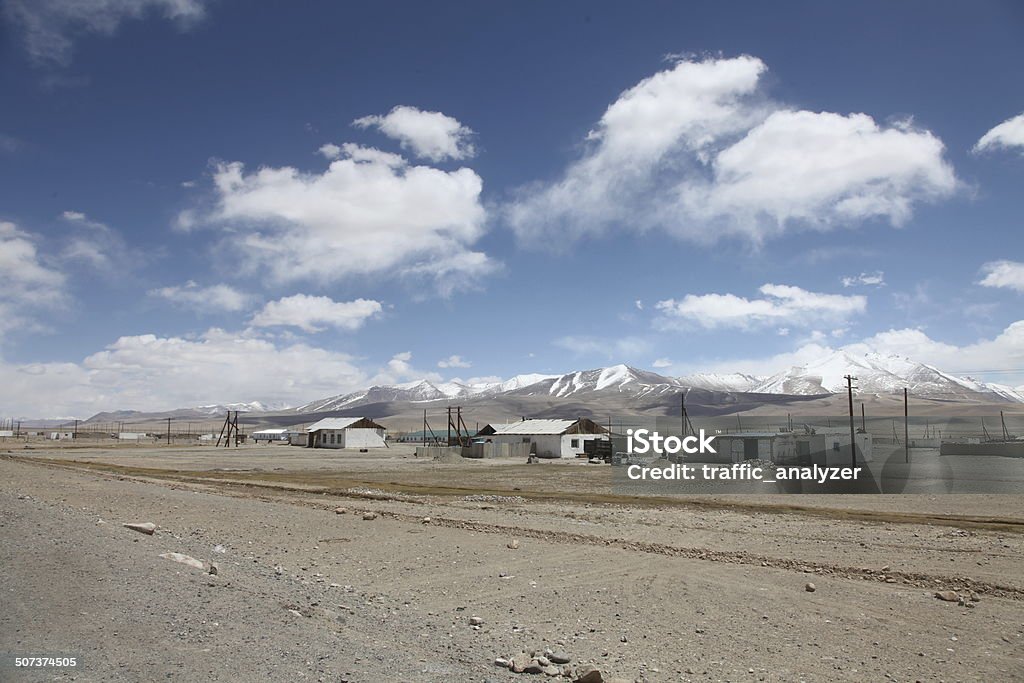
[{"x": 705, "y": 588}]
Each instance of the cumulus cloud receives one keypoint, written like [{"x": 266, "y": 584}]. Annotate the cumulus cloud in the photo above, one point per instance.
[
  {"x": 698, "y": 151},
  {"x": 780, "y": 304},
  {"x": 1008, "y": 274},
  {"x": 1003, "y": 351},
  {"x": 330, "y": 151},
  {"x": 49, "y": 26},
  {"x": 454, "y": 361},
  {"x": 400, "y": 369},
  {"x": 152, "y": 373},
  {"x": 370, "y": 212},
  {"x": 428, "y": 134},
  {"x": 875, "y": 279},
  {"x": 1007, "y": 135},
  {"x": 27, "y": 284},
  {"x": 214, "y": 298},
  {"x": 314, "y": 313}
]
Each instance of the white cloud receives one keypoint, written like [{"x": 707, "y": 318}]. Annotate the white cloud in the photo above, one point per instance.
[
  {"x": 1008, "y": 274},
  {"x": 400, "y": 369},
  {"x": 875, "y": 279},
  {"x": 662, "y": 363},
  {"x": 625, "y": 348},
  {"x": 781, "y": 304},
  {"x": 214, "y": 298},
  {"x": 27, "y": 284},
  {"x": 454, "y": 361},
  {"x": 370, "y": 212},
  {"x": 312, "y": 313},
  {"x": 330, "y": 151},
  {"x": 97, "y": 246},
  {"x": 1008, "y": 134},
  {"x": 819, "y": 169},
  {"x": 1003, "y": 352},
  {"x": 429, "y": 134},
  {"x": 698, "y": 151},
  {"x": 152, "y": 373},
  {"x": 50, "y": 25}
]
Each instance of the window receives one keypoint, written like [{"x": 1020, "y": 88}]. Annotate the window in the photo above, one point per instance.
[
  {"x": 835, "y": 446},
  {"x": 574, "y": 443}
]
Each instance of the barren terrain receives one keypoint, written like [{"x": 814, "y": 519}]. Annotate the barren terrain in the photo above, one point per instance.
[{"x": 659, "y": 589}]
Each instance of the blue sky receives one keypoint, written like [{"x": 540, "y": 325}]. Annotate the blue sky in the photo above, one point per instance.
[{"x": 221, "y": 201}]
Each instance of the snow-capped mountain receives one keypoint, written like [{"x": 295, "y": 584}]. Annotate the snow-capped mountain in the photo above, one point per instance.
[
  {"x": 422, "y": 390},
  {"x": 734, "y": 381},
  {"x": 249, "y": 407},
  {"x": 875, "y": 373},
  {"x": 880, "y": 374}
]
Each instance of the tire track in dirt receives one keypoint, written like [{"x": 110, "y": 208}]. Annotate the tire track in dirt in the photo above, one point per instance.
[{"x": 300, "y": 496}]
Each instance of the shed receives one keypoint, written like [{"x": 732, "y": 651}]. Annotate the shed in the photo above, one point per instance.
[
  {"x": 346, "y": 432},
  {"x": 551, "y": 438}
]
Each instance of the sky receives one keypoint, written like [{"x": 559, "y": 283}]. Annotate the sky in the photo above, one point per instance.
[{"x": 210, "y": 201}]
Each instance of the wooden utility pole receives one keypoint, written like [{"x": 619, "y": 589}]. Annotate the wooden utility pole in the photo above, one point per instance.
[
  {"x": 168, "y": 431},
  {"x": 863, "y": 424},
  {"x": 853, "y": 432}
]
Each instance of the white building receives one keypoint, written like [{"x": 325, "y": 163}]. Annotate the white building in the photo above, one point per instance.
[
  {"x": 131, "y": 436},
  {"x": 551, "y": 438},
  {"x": 270, "y": 435},
  {"x": 346, "y": 432}
]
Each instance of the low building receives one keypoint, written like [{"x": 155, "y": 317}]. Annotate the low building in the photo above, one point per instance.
[
  {"x": 825, "y": 447},
  {"x": 551, "y": 438},
  {"x": 131, "y": 436},
  {"x": 346, "y": 432},
  {"x": 270, "y": 436}
]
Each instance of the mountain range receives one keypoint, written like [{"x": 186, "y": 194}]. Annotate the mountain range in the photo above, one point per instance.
[
  {"x": 875, "y": 374},
  {"x": 625, "y": 388}
]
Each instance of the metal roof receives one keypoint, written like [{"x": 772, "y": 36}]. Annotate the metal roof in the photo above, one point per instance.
[
  {"x": 529, "y": 427},
  {"x": 270, "y": 431},
  {"x": 333, "y": 423}
]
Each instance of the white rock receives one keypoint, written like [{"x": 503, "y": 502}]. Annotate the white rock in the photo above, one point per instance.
[
  {"x": 183, "y": 559},
  {"x": 142, "y": 527}
]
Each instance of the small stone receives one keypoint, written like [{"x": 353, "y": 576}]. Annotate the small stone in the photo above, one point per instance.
[
  {"x": 513, "y": 544},
  {"x": 533, "y": 668},
  {"x": 368, "y": 516},
  {"x": 340, "y": 511},
  {"x": 551, "y": 670},
  {"x": 279, "y": 570},
  {"x": 476, "y": 621},
  {"x": 543, "y": 661},
  {"x": 142, "y": 527},
  {"x": 425, "y": 520},
  {"x": 810, "y": 587},
  {"x": 559, "y": 658},
  {"x": 502, "y": 662},
  {"x": 975, "y": 597},
  {"x": 214, "y": 569},
  {"x": 947, "y": 596},
  {"x": 588, "y": 674}
]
